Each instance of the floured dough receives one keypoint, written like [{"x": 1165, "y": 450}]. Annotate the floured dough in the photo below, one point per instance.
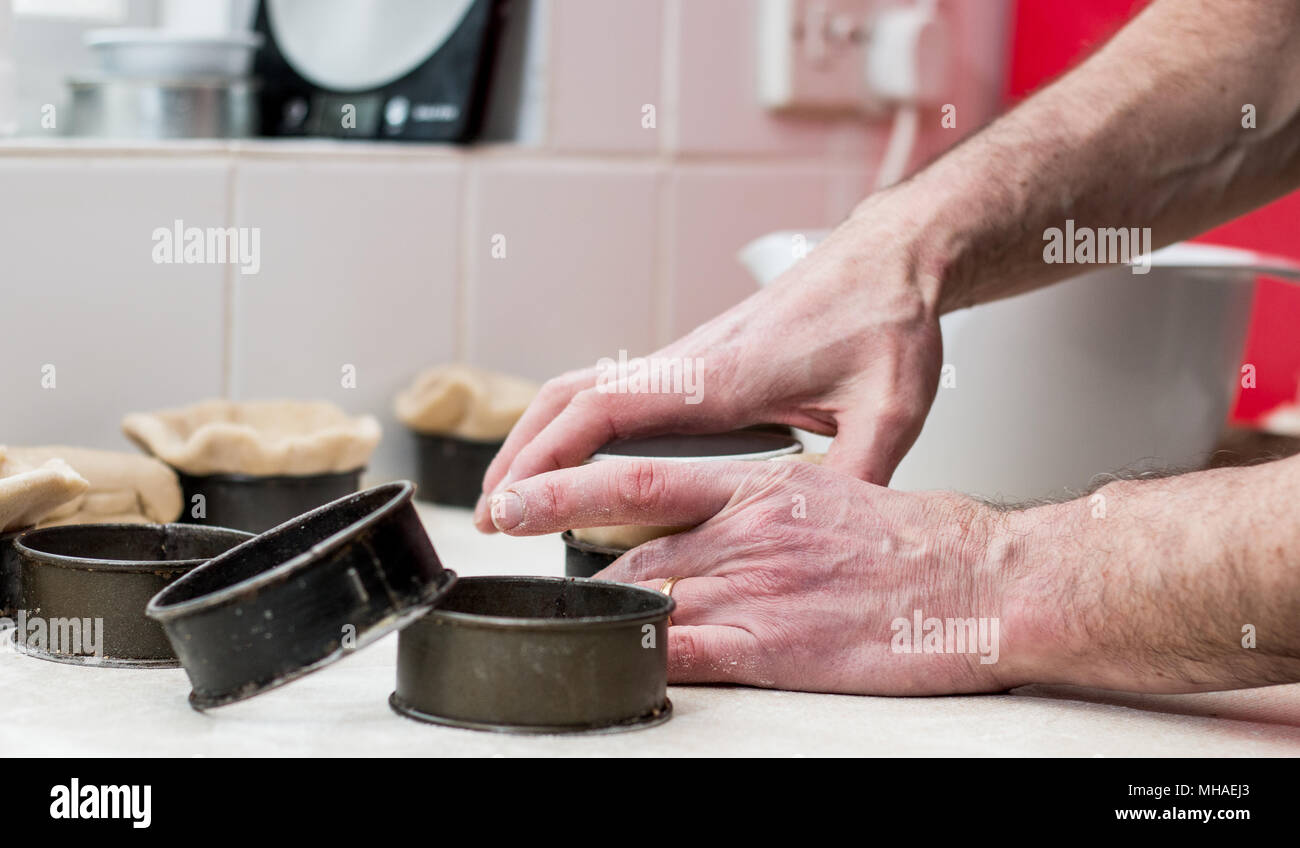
[
  {"x": 29, "y": 492},
  {"x": 462, "y": 401},
  {"x": 626, "y": 536},
  {"x": 256, "y": 437},
  {"x": 122, "y": 487}
]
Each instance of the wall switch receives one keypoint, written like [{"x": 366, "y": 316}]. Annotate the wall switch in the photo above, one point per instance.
[{"x": 812, "y": 54}]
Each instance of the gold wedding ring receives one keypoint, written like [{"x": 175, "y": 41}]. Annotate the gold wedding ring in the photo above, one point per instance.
[{"x": 667, "y": 589}]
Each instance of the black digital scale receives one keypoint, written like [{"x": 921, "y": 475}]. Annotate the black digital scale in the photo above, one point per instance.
[{"x": 406, "y": 70}]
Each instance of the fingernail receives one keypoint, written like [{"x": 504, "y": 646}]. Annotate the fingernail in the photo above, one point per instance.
[{"x": 507, "y": 510}]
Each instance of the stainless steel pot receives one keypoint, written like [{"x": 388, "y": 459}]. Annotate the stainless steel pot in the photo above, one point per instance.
[{"x": 163, "y": 108}]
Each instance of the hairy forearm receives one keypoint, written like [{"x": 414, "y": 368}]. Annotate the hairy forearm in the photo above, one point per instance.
[
  {"x": 1181, "y": 584},
  {"x": 1147, "y": 133}
]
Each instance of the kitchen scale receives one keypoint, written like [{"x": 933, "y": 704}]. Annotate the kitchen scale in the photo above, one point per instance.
[{"x": 407, "y": 70}]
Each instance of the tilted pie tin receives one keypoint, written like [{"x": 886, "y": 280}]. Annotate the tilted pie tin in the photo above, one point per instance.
[
  {"x": 302, "y": 595},
  {"x": 83, "y": 588},
  {"x": 538, "y": 655}
]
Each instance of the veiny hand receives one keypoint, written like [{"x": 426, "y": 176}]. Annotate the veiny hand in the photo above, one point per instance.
[
  {"x": 795, "y": 574},
  {"x": 846, "y": 343}
]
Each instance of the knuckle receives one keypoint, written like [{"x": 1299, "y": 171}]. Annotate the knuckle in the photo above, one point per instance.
[{"x": 641, "y": 486}]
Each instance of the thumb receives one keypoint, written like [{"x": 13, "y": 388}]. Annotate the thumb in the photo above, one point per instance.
[{"x": 870, "y": 450}]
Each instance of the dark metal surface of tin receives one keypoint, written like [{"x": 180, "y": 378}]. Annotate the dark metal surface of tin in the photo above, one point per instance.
[
  {"x": 89, "y": 584},
  {"x": 452, "y": 469},
  {"x": 8, "y": 574},
  {"x": 538, "y": 655},
  {"x": 583, "y": 559},
  {"x": 302, "y": 595},
  {"x": 258, "y": 503}
]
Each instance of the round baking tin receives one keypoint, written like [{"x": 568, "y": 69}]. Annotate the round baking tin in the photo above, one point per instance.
[
  {"x": 451, "y": 470},
  {"x": 9, "y": 587},
  {"x": 256, "y": 503},
  {"x": 109, "y": 572},
  {"x": 583, "y": 559},
  {"x": 538, "y": 655},
  {"x": 302, "y": 595}
]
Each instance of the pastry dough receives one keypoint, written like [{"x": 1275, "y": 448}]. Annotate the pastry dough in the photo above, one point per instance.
[
  {"x": 626, "y": 536},
  {"x": 28, "y": 492},
  {"x": 466, "y": 402},
  {"x": 122, "y": 487},
  {"x": 256, "y": 437}
]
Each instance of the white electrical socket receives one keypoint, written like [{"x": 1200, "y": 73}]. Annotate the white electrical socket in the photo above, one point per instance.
[
  {"x": 812, "y": 54},
  {"x": 850, "y": 56}
]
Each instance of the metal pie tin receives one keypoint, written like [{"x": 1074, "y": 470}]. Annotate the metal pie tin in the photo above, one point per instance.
[
  {"x": 538, "y": 655},
  {"x": 302, "y": 595},
  {"x": 101, "y": 577},
  {"x": 451, "y": 470},
  {"x": 257, "y": 503},
  {"x": 8, "y": 575},
  {"x": 583, "y": 559}
]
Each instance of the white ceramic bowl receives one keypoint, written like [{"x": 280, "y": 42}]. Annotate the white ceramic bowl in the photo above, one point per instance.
[
  {"x": 164, "y": 54},
  {"x": 1110, "y": 371}
]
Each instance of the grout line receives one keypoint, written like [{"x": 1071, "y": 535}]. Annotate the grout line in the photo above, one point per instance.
[
  {"x": 467, "y": 261},
  {"x": 228, "y": 293},
  {"x": 670, "y": 77},
  {"x": 665, "y": 268}
]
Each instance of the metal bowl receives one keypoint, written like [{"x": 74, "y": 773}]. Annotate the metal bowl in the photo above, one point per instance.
[
  {"x": 583, "y": 559},
  {"x": 101, "y": 577},
  {"x": 538, "y": 655},
  {"x": 302, "y": 596}
]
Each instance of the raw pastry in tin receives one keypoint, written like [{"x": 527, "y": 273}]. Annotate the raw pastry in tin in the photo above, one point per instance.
[
  {"x": 123, "y": 488},
  {"x": 29, "y": 492},
  {"x": 267, "y": 437},
  {"x": 466, "y": 402}
]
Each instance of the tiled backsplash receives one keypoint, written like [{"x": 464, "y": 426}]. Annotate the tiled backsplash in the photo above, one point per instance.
[{"x": 531, "y": 259}]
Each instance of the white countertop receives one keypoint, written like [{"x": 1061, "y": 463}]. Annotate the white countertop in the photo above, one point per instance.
[{"x": 52, "y": 709}]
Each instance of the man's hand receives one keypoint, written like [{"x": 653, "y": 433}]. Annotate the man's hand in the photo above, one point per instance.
[
  {"x": 796, "y": 576},
  {"x": 795, "y": 573},
  {"x": 846, "y": 343}
]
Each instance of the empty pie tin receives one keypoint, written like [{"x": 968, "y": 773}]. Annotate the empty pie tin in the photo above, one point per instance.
[
  {"x": 583, "y": 559},
  {"x": 83, "y": 588},
  {"x": 538, "y": 655},
  {"x": 452, "y": 469},
  {"x": 302, "y": 595},
  {"x": 257, "y": 503}
]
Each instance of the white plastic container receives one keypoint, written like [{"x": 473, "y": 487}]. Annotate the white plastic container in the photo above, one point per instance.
[
  {"x": 169, "y": 54},
  {"x": 1110, "y": 371}
]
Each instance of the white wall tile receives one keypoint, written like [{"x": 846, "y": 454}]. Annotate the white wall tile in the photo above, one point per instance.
[
  {"x": 359, "y": 267},
  {"x": 577, "y": 279},
  {"x": 718, "y": 210},
  {"x": 80, "y": 291}
]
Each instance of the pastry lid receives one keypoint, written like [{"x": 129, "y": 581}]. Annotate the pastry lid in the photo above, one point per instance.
[
  {"x": 743, "y": 445},
  {"x": 302, "y": 595}
]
